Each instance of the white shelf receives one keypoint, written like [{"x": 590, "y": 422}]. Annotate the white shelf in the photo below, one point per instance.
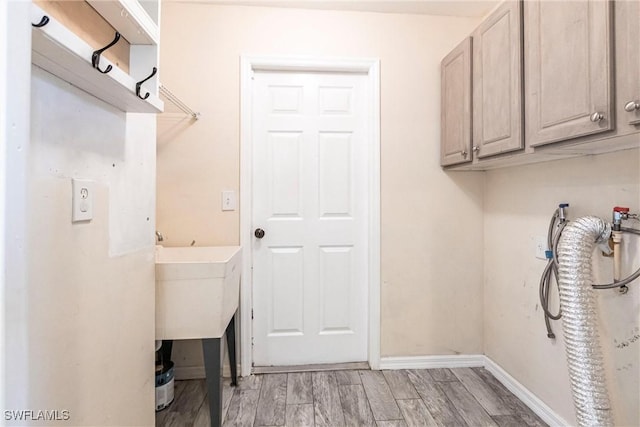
[
  {"x": 60, "y": 52},
  {"x": 130, "y": 19}
]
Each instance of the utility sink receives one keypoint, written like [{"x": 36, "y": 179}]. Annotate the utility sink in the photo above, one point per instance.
[{"x": 197, "y": 290}]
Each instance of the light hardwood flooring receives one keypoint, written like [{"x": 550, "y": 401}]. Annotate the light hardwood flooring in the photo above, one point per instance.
[{"x": 421, "y": 397}]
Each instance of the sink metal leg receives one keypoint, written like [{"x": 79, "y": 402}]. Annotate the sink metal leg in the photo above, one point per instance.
[
  {"x": 231, "y": 346},
  {"x": 212, "y": 350},
  {"x": 213, "y": 369},
  {"x": 165, "y": 350}
]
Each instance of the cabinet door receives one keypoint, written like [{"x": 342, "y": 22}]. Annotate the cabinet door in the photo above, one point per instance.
[
  {"x": 497, "y": 82},
  {"x": 455, "y": 139},
  {"x": 628, "y": 61},
  {"x": 568, "y": 79}
]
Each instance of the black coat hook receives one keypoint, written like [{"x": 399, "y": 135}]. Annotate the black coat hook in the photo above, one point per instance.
[
  {"x": 44, "y": 21},
  {"x": 139, "y": 84},
  {"x": 95, "y": 58}
]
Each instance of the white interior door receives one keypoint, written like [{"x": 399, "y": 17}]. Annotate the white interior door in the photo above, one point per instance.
[{"x": 310, "y": 196}]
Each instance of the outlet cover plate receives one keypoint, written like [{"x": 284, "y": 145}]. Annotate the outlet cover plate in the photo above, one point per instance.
[
  {"x": 82, "y": 200},
  {"x": 540, "y": 243}
]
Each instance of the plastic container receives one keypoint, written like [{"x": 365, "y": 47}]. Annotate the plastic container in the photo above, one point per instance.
[{"x": 164, "y": 386}]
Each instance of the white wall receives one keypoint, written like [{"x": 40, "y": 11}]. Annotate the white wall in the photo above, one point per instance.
[
  {"x": 15, "y": 146},
  {"x": 519, "y": 202},
  {"x": 440, "y": 230},
  {"x": 79, "y": 297},
  {"x": 5, "y": 43},
  {"x": 430, "y": 305}
]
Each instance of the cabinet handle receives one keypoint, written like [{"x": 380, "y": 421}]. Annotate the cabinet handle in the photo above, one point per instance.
[
  {"x": 631, "y": 106},
  {"x": 464, "y": 153},
  {"x": 596, "y": 117},
  {"x": 476, "y": 148}
]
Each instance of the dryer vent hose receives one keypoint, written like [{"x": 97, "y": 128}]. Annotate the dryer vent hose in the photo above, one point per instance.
[{"x": 579, "y": 320}]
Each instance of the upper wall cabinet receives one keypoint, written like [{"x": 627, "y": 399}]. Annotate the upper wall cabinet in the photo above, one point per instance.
[
  {"x": 568, "y": 69},
  {"x": 456, "y": 106},
  {"x": 497, "y": 82},
  {"x": 627, "y": 14},
  {"x": 581, "y": 80}
]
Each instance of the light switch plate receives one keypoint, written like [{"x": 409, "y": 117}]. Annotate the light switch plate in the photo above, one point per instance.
[
  {"x": 228, "y": 200},
  {"x": 82, "y": 200}
]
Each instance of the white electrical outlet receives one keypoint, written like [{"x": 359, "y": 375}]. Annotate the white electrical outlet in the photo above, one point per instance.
[
  {"x": 540, "y": 243},
  {"x": 229, "y": 200},
  {"x": 82, "y": 200}
]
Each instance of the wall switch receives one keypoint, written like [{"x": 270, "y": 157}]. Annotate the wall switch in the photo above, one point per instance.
[
  {"x": 540, "y": 246},
  {"x": 82, "y": 200},
  {"x": 228, "y": 200}
]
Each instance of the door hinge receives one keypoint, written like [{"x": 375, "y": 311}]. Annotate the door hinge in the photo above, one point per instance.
[
  {"x": 252, "y": 340},
  {"x": 252, "y": 314}
]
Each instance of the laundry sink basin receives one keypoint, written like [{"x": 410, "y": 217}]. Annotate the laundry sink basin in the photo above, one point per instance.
[{"x": 197, "y": 290}]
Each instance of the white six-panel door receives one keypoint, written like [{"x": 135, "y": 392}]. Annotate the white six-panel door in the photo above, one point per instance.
[{"x": 310, "y": 196}]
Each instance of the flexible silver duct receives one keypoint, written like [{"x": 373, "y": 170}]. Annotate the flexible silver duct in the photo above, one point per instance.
[{"x": 579, "y": 320}]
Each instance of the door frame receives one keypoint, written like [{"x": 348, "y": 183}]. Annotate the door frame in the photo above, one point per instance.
[{"x": 369, "y": 67}]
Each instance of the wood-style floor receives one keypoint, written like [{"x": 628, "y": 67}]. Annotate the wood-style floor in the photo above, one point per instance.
[{"x": 422, "y": 397}]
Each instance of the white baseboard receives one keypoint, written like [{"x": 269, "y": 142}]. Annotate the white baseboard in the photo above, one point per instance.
[
  {"x": 432, "y": 362},
  {"x": 540, "y": 408},
  {"x": 189, "y": 372}
]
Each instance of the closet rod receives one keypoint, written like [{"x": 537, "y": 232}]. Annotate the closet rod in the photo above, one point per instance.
[{"x": 177, "y": 102}]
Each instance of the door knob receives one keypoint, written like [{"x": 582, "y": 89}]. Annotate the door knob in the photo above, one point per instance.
[
  {"x": 596, "y": 117},
  {"x": 259, "y": 233}
]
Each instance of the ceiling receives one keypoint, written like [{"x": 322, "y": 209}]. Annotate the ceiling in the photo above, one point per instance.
[{"x": 475, "y": 8}]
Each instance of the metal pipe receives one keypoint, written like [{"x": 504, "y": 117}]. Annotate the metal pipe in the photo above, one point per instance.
[
  {"x": 630, "y": 278},
  {"x": 579, "y": 320},
  {"x": 630, "y": 230},
  {"x": 551, "y": 271},
  {"x": 622, "y": 282}
]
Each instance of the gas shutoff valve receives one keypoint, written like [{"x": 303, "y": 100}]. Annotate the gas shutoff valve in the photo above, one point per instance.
[
  {"x": 621, "y": 213},
  {"x": 561, "y": 212}
]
